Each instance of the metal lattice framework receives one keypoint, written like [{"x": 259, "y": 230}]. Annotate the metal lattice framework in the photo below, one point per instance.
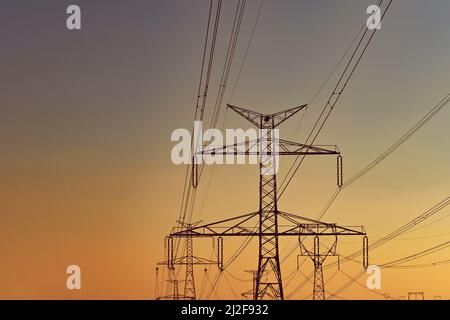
[
  {"x": 268, "y": 223},
  {"x": 318, "y": 259},
  {"x": 246, "y": 225},
  {"x": 189, "y": 260}
]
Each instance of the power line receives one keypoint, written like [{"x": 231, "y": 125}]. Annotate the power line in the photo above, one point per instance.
[
  {"x": 344, "y": 79},
  {"x": 415, "y": 256},
  {"x": 429, "y": 224},
  {"x": 252, "y": 34},
  {"x": 423, "y": 265},
  {"x": 255, "y": 24},
  {"x": 188, "y": 199},
  {"x": 238, "y": 17},
  {"x": 427, "y": 214},
  {"x": 361, "y": 285},
  {"x": 231, "y": 287},
  {"x": 328, "y": 78},
  {"x": 418, "y": 255},
  {"x": 200, "y": 107},
  {"x": 413, "y": 230},
  {"x": 228, "y": 60},
  {"x": 189, "y": 190},
  {"x": 444, "y": 102},
  {"x": 414, "y": 129},
  {"x": 401, "y": 230},
  {"x": 189, "y": 203}
]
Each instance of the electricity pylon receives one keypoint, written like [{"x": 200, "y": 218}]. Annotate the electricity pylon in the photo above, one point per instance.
[
  {"x": 268, "y": 147},
  {"x": 318, "y": 257},
  {"x": 416, "y": 296},
  {"x": 188, "y": 260}
]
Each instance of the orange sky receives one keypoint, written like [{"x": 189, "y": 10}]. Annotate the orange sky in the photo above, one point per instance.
[{"x": 85, "y": 124}]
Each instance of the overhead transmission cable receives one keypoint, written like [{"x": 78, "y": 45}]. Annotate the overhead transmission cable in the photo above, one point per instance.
[
  {"x": 344, "y": 79},
  {"x": 346, "y": 74},
  {"x": 414, "y": 129},
  {"x": 438, "y": 107},
  {"x": 200, "y": 111},
  {"x": 232, "y": 44},
  {"x": 202, "y": 92},
  {"x": 392, "y": 235},
  {"x": 415, "y": 256},
  {"x": 241, "y": 67}
]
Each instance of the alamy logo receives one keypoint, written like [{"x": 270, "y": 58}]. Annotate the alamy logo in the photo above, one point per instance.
[
  {"x": 73, "y": 281},
  {"x": 374, "y": 280},
  {"x": 73, "y": 21},
  {"x": 374, "y": 20},
  {"x": 236, "y": 146}
]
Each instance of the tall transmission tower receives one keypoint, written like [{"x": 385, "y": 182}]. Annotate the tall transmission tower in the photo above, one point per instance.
[
  {"x": 318, "y": 258},
  {"x": 188, "y": 261},
  {"x": 268, "y": 147}
]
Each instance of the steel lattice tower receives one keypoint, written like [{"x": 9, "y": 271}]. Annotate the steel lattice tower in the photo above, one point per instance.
[
  {"x": 188, "y": 261},
  {"x": 269, "y": 257},
  {"x": 189, "y": 283},
  {"x": 318, "y": 259},
  {"x": 268, "y": 147}
]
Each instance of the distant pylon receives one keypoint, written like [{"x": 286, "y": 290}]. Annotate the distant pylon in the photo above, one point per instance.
[
  {"x": 189, "y": 282},
  {"x": 318, "y": 258},
  {"x": 416, "y": 296},
  {"x": 188, "y": 261}
]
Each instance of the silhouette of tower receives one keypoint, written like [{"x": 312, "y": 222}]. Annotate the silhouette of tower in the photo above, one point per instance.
[{"x": 268, "y": 146}]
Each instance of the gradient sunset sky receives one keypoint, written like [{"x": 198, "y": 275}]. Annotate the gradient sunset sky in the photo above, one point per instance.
[{"x": 86, "y": 118}]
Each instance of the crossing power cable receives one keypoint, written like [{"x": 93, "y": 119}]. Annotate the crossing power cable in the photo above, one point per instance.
[
  {"x": 405, "y": 137},
  {"x": 236, "y": 82},
  {"x": 390, "y": 264},
  {"x": 389, "y": 237},
  {"x": 342, "y": 83},
  {"x": 188, "y": 196}
]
